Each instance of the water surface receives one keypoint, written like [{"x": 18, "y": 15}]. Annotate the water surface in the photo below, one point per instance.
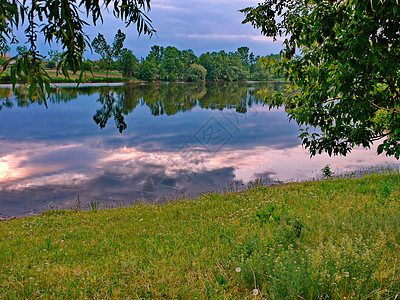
[{"x": 120, "y": 144}]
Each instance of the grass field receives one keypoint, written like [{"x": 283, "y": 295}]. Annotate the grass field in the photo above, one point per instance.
[
  {"x": 95, "y": 77},
  {"x": 111, "y": 74},
  {"x": 333, "y": 239}
]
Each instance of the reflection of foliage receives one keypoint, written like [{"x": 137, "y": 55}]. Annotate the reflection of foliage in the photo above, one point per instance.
[
  {"x": 111, "y": 108},
  {"x": 162, "y": 99},
  {"x": 170, "y": 99},
  {"x": 21, "y": 98},
  {"x": 5, "y": 94}
]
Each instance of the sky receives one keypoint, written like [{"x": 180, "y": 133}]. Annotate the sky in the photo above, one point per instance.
[{"x": 200, "y": 25}]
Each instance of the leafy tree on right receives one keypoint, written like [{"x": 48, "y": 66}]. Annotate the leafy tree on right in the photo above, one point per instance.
[{"x": 342, "y": 59}]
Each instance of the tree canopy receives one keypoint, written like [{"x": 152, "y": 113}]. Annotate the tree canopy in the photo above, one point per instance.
[
  {"x": 109, "y": 52},
  {"x": 172, "y": 64},
  {"x": 342, "y": 59},
  {"x": 60, "y": 21}
]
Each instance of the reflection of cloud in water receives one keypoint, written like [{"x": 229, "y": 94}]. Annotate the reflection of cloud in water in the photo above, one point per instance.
[
  {"x": 295, "y": 163},
  {"x": 121, "y": 175},
  {"x": 34, "y": 161}
]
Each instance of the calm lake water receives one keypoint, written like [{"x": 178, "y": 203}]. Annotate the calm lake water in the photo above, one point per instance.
[{"x": 121, "y": 144}]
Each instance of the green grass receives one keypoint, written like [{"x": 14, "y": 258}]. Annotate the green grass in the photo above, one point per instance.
[
  {"x": 96, "y": 77},
  {"x": 90, "y": 80},
  {"x": 334, "y": 239}
]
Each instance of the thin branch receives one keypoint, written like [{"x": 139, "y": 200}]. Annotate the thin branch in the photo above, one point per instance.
[
  {"x": 379, "y": 137},
  {"x": 395, "y": 109}
]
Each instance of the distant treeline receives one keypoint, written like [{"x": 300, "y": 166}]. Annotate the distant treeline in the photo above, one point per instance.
[{"x": 172, "y": 64}]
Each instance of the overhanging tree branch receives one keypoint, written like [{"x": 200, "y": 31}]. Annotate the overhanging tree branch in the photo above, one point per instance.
[
  {"x": 61, "y": 22},
  {"x": 348, "y": 56}
]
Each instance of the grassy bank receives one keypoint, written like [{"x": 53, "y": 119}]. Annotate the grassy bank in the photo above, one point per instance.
[
  {"x": 332, "y": 239},
  {"x": 95, "y": 77}
]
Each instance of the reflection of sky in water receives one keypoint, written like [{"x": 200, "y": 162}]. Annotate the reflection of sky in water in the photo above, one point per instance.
[{"x": 50, "y": 156}]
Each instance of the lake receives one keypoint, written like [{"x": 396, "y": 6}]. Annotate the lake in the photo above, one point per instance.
[{"x": 122, "y": 144}]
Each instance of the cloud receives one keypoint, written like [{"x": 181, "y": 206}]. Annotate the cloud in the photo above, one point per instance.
[
  {"x": 198, "y": 25},
  {"x": 166, "y": 7},
  {"x": 215, "y": 36},
  {"x": 177, "y": 23}
]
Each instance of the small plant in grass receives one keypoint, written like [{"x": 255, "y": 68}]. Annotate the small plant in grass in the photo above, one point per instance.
[
  {"x": 94, "y": 205},
  {"x": 262, "y": 182},
  {"x": 385, "y": 191},
  {"x": 327, "y": 172},
  {"x": 270, "y": 212},
  {"x": 78, "y": 204},
  {"x": 258, "y": 182},
  {"x": 47, "y": 245}
]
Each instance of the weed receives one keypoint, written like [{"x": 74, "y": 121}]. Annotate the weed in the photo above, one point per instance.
[
  {"x": 270, "y": 212},
  {"x": 47, "y": 245},
  {"x": 94, "y": 205},
  {"x": 385, "y": 192},
  {"x": 327, "y": 172},
  {"x": 78, "y": 204}
]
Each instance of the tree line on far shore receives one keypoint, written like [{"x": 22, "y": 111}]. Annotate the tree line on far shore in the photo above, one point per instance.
[{"x": 172, "y": 64}]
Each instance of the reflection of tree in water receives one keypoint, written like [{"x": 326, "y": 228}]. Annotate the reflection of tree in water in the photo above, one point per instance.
[
  {"x": 111, "y": 108},
  {"x": 164, "y": 99},
  {"x": 5, "y": 94},
  {"x": 19, "y": 97}
]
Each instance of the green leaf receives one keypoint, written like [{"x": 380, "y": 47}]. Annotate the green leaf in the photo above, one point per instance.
[{"x": 380, "y": 148}]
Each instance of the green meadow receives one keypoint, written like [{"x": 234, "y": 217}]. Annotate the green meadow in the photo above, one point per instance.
[{"x": 332, "y": 239}]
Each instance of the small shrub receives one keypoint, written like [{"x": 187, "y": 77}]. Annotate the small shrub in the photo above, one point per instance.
[
  {"x": 385, "y": 190},
  {"x": 269, "y": 213},
  {"x": 327, "y": 172}
]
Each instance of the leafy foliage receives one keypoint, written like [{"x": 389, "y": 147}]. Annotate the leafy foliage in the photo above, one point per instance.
[
  {"x": 29, "y": 69},
  {"x": 128, "y": 63},
  {"x": 196, "y": 73},
  {"x": 342, "y": 60},
  {"x": 60, "y": 21},
  {"x": 327, "y": 172},
  {"x": 224, "y": 66},
  {"x": 4, "y": 48}
]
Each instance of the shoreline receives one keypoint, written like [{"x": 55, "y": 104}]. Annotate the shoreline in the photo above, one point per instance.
[
  {"x": 118, "y": 83},
  {"x": 275, "y": 184}
]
